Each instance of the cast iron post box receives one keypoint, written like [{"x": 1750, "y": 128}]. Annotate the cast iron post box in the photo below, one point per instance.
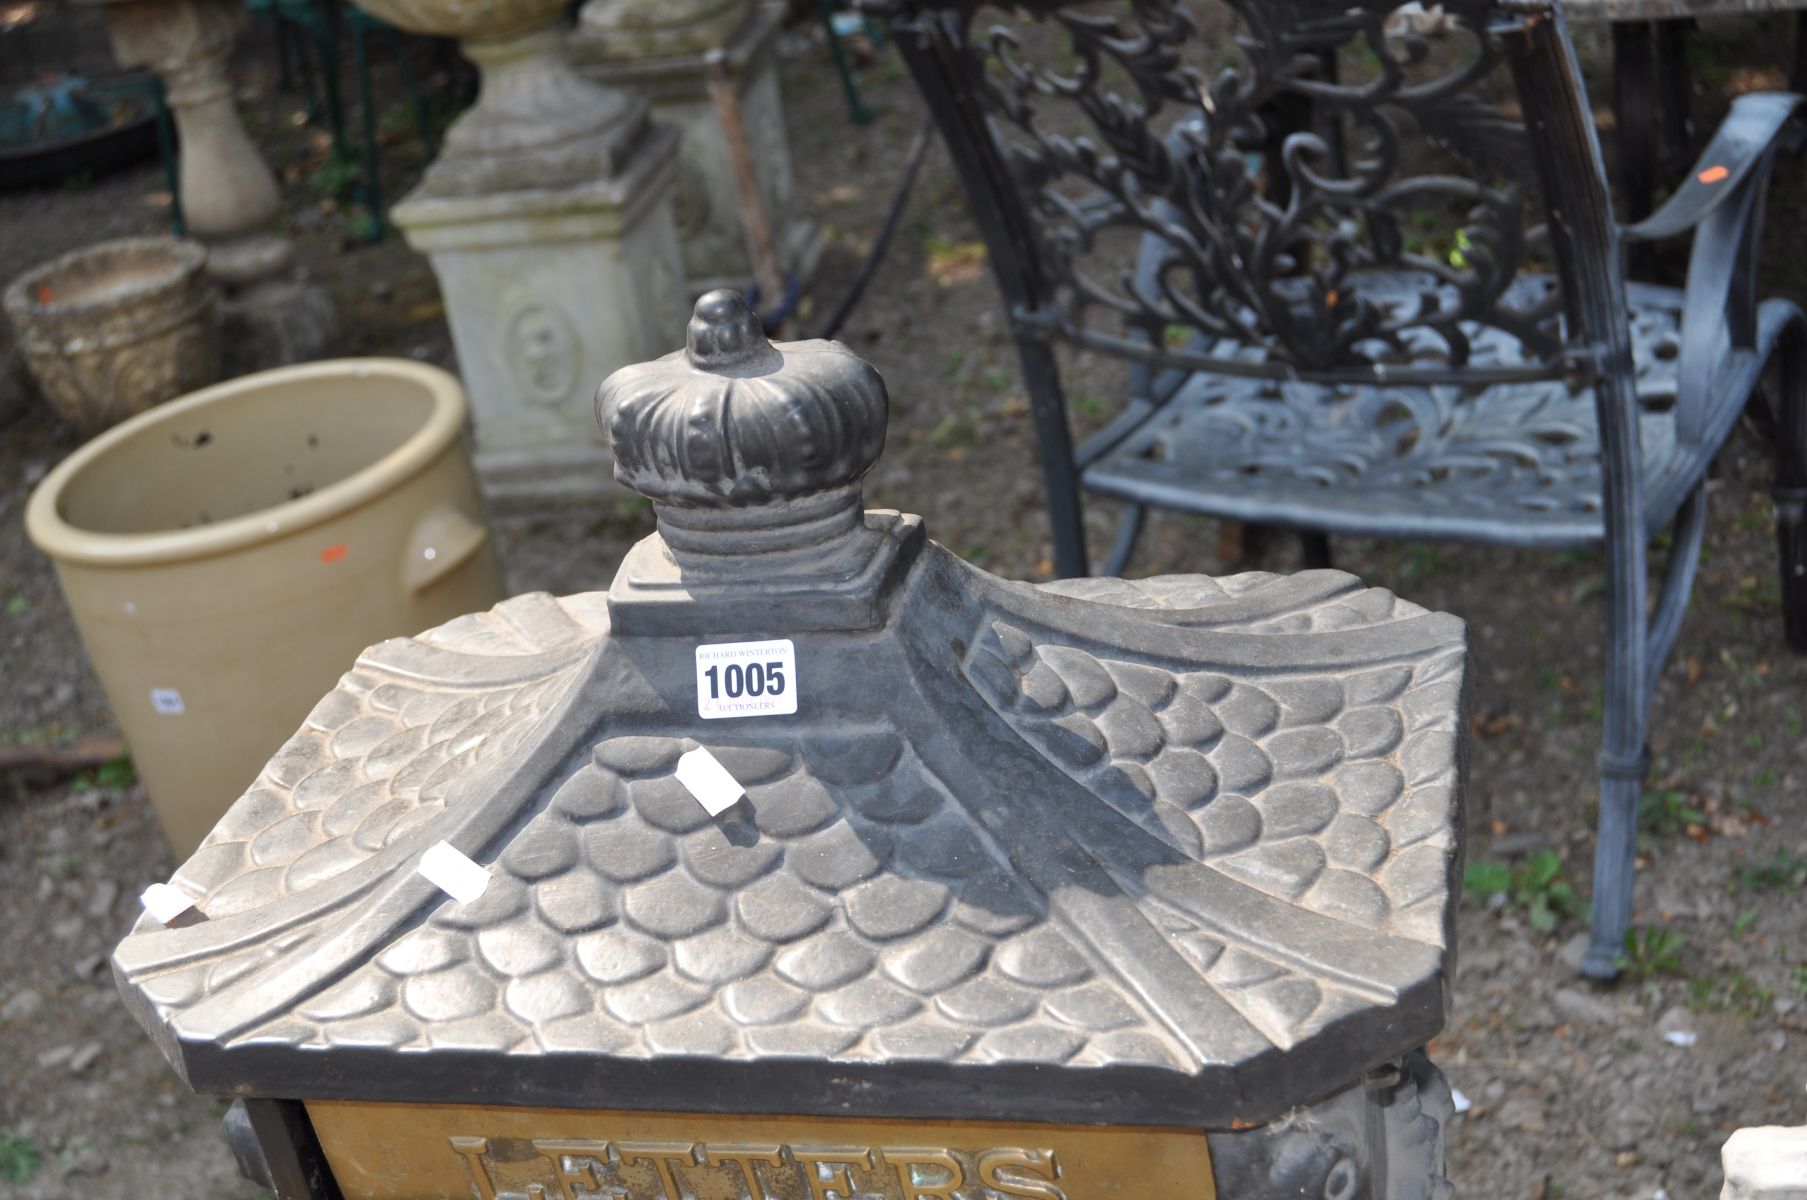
[{"x": 1098, "y": 890}]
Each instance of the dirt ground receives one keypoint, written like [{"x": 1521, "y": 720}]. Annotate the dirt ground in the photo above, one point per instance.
[{"x": 1576, "y": 1091}]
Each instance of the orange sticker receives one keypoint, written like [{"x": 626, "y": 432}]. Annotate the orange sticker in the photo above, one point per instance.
[
  {"x": 1712, "y": 174},
  {"x": 45, "y": 294},
  {"x": 334, "y": 553}
]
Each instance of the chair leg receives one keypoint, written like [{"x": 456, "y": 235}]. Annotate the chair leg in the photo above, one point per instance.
[
  {"x": 285, "y": 53},
  {"x": 1797, "y": 71},
  {"x": 1129, "y": 532},
  {"x": 1790, "y": 491},
  {"x": 372, "y": 183},
  {"x": 856, "y": 107},
  {"x": 1674, "y": 150},
  {"x": 326, "y": 43},
  {"x": 1053, "y": 437},
  {"x": 1314, "y": 550},
  {"x": 1624, "y": 760},
  {"x": 310, "y": 90},
  {"x": 1634, "y": 104},
  {"x": 166, "y": 150},
  {"x": 417, "y": 101}
]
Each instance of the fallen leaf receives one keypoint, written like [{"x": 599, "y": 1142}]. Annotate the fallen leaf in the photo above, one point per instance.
[
  {"x": 1492, "y": 725},
  {"x": 955, "y": 263},
  {"x": 1728, "y": 825}
]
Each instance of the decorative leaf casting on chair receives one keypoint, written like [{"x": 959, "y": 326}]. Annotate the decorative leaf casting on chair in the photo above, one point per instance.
[
  {"x": 1296, "y": 252},
  {"x": 1370, "y": 282}
]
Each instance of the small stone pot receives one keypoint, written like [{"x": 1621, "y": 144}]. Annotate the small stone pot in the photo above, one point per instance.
[{"x": 113, "y": 329}]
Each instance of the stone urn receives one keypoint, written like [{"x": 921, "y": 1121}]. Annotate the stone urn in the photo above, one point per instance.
[
  {"x": 113, "y": 329},
  {"x": 550, "y": 203},
  {"x": 536, "y": 123},
  {"x": 270, "y": 313}
]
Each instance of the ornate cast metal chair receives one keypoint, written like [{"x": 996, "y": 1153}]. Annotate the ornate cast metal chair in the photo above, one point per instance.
[{"x": 1372, "y": 284}]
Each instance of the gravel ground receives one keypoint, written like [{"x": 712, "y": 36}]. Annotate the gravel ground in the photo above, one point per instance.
[{"x": 1576, "y": 1090}]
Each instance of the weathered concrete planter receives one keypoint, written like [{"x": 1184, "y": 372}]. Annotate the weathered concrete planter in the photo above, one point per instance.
[
  {"x": 1098, "y": 889},
  {"x": 226, "y": 554},
  {"x": 112, "y": 329}
]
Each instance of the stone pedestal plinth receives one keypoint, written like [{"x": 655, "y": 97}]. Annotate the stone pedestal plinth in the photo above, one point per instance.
[
  {"x": 270, "y": 316},
  {"x": 656, "y": 48},
  {"x": 548, "y": 290}
]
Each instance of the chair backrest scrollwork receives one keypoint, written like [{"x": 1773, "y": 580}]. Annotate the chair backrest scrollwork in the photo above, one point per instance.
[{"x": 1332, "y": 191}]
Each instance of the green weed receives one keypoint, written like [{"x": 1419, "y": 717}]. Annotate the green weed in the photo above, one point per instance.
[
  {"x": 20, "y": 1157},
  {"x": 1651, "y": 951},
  {"x": 1783, "y": 871},
  {"x": 1735, "y": 993},
  {"x": 1421, "y": 562},
  {"x": 953, "y": 432},
  {"x": 1536, "y": 885},
  {"x": 337, "y": 177},
  {"x": 112, "y": 776},
  {"x": 1666, "y": 813}
]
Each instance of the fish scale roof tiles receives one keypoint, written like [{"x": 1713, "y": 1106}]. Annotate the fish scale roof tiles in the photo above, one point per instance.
[
  {"x": 1219, "y": 834},
  {"x": 624, "y": 920}
]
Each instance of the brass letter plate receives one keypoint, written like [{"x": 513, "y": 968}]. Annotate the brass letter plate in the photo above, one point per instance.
[{"x": 448, "y": 1152}]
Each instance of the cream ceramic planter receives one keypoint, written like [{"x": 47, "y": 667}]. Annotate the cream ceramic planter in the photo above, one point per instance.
[
  {"x": 115, "y": 328},
  {"x": 229, "y": 554}
]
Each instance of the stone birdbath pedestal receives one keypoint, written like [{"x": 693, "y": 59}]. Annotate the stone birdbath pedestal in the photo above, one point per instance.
[
  {"x": 271, "y": 317},
  {"x": 810, "y": 860},
  {"x": 548, "y": 220},
  {"x": 657, "y": 49}
]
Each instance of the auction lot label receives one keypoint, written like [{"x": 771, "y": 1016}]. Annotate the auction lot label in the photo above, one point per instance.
[{"x": 746, "y": 679}]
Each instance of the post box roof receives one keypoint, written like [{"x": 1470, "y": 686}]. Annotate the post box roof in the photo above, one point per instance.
[{"x": 1176, "y": 852}]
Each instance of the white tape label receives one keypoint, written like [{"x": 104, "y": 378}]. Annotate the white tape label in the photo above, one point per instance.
[
  {"x": 164, "y": 902},
  {"x": 709, "y": 781},
  {"x": 167, "y": 700},
  {"x": 746, "y": 679},
  {"x": 453, "y": 873}
]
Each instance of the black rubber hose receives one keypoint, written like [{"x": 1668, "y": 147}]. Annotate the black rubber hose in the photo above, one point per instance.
[{"x": 874, "y": 256}]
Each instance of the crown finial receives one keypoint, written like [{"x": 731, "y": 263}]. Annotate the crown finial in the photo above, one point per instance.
[
  {"x": 768, "y": 436},
  {"x": 726, "y": 337}
]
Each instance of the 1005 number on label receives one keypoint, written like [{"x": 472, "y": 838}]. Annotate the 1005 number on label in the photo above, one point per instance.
[{"x": 746, "y": 679}]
